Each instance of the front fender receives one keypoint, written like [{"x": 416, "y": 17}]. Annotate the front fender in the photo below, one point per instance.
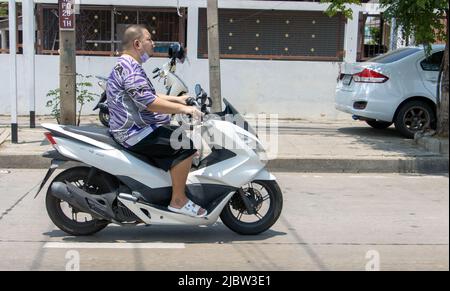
[{"x": 264, "y": 175}]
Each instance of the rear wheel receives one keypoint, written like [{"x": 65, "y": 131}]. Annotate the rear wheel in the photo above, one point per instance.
[
  {"x": 104, "y": 118},
  {"x": 379, "y": 124},
  {"x": 267, "y": 199},
  {"x": 68, "y": 218},
  {"x": 414, "y": 116}
]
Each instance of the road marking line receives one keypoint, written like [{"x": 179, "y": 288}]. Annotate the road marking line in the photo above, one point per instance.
[
  {"x": 428, "y": 177},
  {"x": 88, "y": 245},
  {"x": 367, "y": 176}
]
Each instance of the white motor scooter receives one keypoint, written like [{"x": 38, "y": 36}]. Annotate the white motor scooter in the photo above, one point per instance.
[{"x": 113, "y": 185}]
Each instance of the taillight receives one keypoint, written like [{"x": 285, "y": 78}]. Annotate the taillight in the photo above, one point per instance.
[
  {"x": 50, "y": 138},
  {"x": 369, "y": 76}
]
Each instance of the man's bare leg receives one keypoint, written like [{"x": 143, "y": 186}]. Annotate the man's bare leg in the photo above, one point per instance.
[{"x": 179, "y": 175}]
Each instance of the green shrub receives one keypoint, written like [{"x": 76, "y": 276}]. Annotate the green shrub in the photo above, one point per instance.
[{"x": 83, "y": 96}]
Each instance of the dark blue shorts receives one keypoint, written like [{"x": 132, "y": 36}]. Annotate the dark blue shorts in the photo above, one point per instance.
[{"x": 157, "y": 149}]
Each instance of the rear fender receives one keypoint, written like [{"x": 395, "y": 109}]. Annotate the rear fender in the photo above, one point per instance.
[{"x": 54, "y": 165}]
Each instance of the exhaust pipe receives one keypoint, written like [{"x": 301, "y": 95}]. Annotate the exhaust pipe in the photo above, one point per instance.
[{"x": 95, "y": 205}]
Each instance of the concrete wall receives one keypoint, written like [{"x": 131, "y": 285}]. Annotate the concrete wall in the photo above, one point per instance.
[{"x": 295, "y": 89}]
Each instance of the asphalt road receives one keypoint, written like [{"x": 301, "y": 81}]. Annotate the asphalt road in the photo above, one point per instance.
[{"x": 329, "y": 222}]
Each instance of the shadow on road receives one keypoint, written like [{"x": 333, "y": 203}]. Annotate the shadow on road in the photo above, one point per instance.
[
  {"x": 388, "y": 140},
  {"x": 217, "y": 233}
]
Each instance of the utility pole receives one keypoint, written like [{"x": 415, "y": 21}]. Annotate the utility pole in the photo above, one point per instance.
[
  {"x": 214, "y": 55},
  {"x": 67, "y": 61},
  {"x": 28, "y": 24},
  {"x": 13, "y": 68},
  {"x": 394, "y": 35}
]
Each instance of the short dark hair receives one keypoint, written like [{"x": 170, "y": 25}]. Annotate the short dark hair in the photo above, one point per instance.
[{"x": 131, "y": 33}]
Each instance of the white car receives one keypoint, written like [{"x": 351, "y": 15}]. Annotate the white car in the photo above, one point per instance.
[{"x": 397, "y": 87}]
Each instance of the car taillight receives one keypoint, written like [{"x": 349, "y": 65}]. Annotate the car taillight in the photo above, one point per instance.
[
  {"x": 50, "y": 138},
  {"x": 369, "y": 76}
]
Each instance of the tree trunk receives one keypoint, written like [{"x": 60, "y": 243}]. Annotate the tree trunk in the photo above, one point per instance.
[{"x": 442, "y": 104}]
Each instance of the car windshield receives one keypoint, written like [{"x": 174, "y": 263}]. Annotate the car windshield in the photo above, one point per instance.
[{"x": 394, "y": 56}]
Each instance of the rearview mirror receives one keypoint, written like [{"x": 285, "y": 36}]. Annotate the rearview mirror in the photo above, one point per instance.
[
  {"x": 198, "y": 90},
  {"x": 176, "y": 51}
]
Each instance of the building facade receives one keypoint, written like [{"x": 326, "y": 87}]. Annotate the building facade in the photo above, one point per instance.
[{"x": 279, "y": 57}]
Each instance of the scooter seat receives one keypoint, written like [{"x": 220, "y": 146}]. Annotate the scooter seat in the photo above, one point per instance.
[{"x": 100, "y": 134}]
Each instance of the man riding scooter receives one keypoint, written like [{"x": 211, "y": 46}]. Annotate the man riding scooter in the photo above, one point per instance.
[{"x": 139, "y": 117}]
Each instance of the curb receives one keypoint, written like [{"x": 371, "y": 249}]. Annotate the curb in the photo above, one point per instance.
[
  {"x": 433, "y": 144},
  {"x": 404, "y": 165},
  {"x": 422, "y": 165}
]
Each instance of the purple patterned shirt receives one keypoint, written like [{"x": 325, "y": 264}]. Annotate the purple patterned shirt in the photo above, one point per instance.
[{"x": 129, "y": 92}]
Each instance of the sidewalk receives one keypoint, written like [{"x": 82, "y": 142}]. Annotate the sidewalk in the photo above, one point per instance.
[{"x": 303, "y": 146}]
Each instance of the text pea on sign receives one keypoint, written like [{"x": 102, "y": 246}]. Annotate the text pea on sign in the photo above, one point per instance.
[{"x": 66, "y": 14}]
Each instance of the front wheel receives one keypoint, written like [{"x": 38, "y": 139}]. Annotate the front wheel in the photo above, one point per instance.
[
  {"x": 267, "y": 200},
  {"x": 414, "y": 116}
]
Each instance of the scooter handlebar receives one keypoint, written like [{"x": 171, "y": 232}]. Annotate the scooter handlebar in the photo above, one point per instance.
[{"x": 191, "y": 101}]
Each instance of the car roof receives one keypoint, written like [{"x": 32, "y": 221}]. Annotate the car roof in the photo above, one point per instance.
[
  {"x": 433, "y": 46},
  {"x": 419, "y": 53}
]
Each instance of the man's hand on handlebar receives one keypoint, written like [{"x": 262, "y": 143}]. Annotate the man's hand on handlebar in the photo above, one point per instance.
[
  {"x": 182, "y": 99},
  {"x": 193, "y": 112}
]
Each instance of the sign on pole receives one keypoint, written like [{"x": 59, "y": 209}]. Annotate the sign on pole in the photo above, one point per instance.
[{"x": 66, "y": 15}]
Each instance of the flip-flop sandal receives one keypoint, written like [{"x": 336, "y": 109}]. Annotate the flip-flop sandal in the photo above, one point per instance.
[{"x": 190, "y": 209}]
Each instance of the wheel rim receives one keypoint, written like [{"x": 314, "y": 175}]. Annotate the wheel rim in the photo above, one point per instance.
[
  {"x": 259, "y": 196},
  {"x": 416, "y": 118},
  {"x": 105, "y": 117}
]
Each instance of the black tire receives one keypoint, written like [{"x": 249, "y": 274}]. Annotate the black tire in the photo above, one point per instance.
[
  {"x": 56, "y": 213},
  {"x": 378, "y": 124},
  {"x": 414, "y": 116},
  {"x": 272, "y": 215},
  {"x": 104, "y": 118}
]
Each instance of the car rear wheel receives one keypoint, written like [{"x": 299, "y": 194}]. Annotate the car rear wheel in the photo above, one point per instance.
[
  {"x": 379, "y": 124},
  {"x": 414, "y": 116}
]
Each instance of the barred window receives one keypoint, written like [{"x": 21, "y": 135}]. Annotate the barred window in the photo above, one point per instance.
[
  {"x": 4, "y": 28},
  {"x": 373, "y": 36},
  {"x": 296, "y": 35},
  {"x": 99, "y": 29}
]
